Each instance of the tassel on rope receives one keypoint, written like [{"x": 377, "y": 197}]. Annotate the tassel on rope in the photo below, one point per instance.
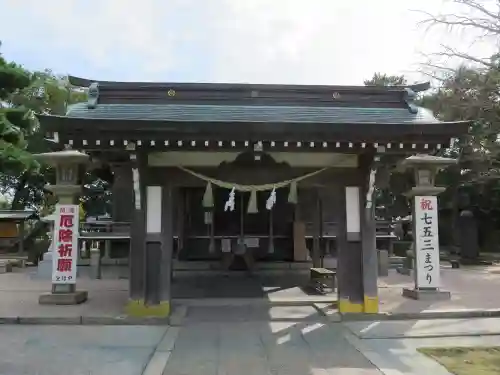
[
  {"x": 230, "y": 201},
  {"x": 252, "y": 203},
  {"x": 208, "y": 197},
  {"x": 292, "y": 195},
  {"x": 271, "y": 201}
]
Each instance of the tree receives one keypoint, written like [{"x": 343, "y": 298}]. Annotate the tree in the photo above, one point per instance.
[
  {"x": 480, "y": 18},
  {"x": 25, "y": 94},
  {"x": 16, "y": 122},
  {"x": 472, "y": 94},
  {"x": 382, "y": 79},
  {"x": 468, "y": 90},
  {"x": 48, "y": 94},
  {"x": 390, "y": 199}
]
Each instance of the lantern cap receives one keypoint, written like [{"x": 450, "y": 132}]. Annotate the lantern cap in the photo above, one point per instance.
[
  {"x": 423, "y": 160},
  {"x": 62, "y": 157}
]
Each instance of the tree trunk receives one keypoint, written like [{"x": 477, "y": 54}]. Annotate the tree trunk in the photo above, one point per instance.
[{"x": 17, "y": 202}]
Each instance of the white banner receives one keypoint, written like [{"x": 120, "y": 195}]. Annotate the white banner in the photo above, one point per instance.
[
  {"x": 65, "y": 244},
  {"x": 426, "y": 242}
]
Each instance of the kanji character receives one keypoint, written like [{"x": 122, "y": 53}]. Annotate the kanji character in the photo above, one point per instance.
[
  {"x": 65, "y": 235},
  {"x": 427, "y": 245},
  {"x": 66, "y": 221},
  {"x": 64, "y": 265},
  {"x": 427, "y": 232},
  {"x": 427, "y": 219},
  {"x": 65, "y": 249},
  {"x": 426, "y": 204}
]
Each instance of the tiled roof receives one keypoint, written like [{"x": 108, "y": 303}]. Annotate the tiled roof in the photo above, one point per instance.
[
  {"x": 254, "y": 113},
  {"x": 9, "y": 215}
]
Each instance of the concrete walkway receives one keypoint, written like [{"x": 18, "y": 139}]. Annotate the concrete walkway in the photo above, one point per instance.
[
  {"x": 235, "y": 341},
  {"x": 471, "y": 289},
  {"x": 400, "y": 356},
  {"x": 431, "y": 328},
  {"x": 238, "y": 340},
  {"x": 77, "y": 350}
]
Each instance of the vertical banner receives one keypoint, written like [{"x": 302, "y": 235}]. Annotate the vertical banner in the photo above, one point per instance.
[
  {"x": 353, "y": 213},
  {"x": 426, "y": 243},
  {"x": 65, "y": 244}
]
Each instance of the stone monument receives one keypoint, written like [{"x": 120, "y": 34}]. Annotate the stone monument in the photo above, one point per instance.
[
  {"x": 68, "y": 165},
  {"x": 425, "y": 226}
]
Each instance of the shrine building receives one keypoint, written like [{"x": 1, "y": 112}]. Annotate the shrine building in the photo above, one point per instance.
[{"x": 277, "y": 173}]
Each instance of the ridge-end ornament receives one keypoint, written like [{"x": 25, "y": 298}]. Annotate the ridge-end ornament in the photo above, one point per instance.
[{"x": 171, "y": 93}]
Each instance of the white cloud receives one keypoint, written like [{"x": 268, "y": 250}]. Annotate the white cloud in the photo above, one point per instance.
[{"x": 280, "y": 41}]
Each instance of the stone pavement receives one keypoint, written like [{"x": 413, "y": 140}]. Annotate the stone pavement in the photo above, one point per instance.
[
  {"x": 472, "y": 288},
  {"x": 108, "y": 296},
  {"x": 296, "y": 340},
  {"x": 400, "y": 356},
  {"x": 77, "y": 350},
  {"x": 237, "y": 341},
  {"x": 19, "y": 298},
  {"x": 428, "y": 328}
]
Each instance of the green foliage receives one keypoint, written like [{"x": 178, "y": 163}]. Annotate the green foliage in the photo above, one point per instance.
[
  {"x": 16, "y": 123},
  {"x": 390, "y": 200},
  {"x": 12, "y": 77},
  {"x": 464, "y": 94},
  {"x": 24, "y": 94},
  {"x": 381, "y": 79}
]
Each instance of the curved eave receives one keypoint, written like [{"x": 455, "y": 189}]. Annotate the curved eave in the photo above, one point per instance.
[
  {"x": 64, "y": 124},
  {"x": 84, "y": 82}
]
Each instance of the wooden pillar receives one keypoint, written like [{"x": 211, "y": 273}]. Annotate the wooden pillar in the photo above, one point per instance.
[
  {"x": 316, "y": 256},
  {"x": 157, "y": 241},
  {"x": 300, "y": 251},
  {"x": 370, "y": 262},
  {"x": 349, "y": 270},
  {"x": 123, "y": 193},
  {"x": 167, "y": 247},
  {"x": 137, "y": 233},
  {"x": 357, "y": 260}
]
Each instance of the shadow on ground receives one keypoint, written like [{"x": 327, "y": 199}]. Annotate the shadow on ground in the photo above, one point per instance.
[{"x": 247, "y": 340}]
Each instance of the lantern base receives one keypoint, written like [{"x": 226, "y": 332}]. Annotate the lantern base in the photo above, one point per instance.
[
  {"x": 74, "y": 298},
  {"x": 427, "y": 294}
]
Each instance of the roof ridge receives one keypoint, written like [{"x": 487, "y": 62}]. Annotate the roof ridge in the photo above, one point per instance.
[{"x": 85, "y": 82}]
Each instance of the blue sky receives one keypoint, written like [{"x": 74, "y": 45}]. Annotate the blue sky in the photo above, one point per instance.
[{"x": 257, "y": 41}]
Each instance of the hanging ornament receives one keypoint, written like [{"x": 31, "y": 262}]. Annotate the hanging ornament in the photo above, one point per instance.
[
  {"x": 292, "y": 195},
  {"x": 252, "y": 203},
  {"x": 230, "y": 201},
  {"x": 137, "y": 189},
  {"x": 271, "y": 200},
  {"x": 208, "y": 199}
]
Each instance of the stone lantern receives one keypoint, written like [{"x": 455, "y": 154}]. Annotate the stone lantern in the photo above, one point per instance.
[
  {"x": 68, "y": 165},
  {"x": 425, "y": 225}
]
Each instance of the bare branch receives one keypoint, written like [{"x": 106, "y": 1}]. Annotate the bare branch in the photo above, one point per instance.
[
  {"x": 433, "y": 76},
  {"x": 454, "y": 20},
  {"x": 439, "y": 67},
  {"x": 490, "y": 26},
  {"x": 450, "y": 52},
  {"x": 475, "y": 5}
]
